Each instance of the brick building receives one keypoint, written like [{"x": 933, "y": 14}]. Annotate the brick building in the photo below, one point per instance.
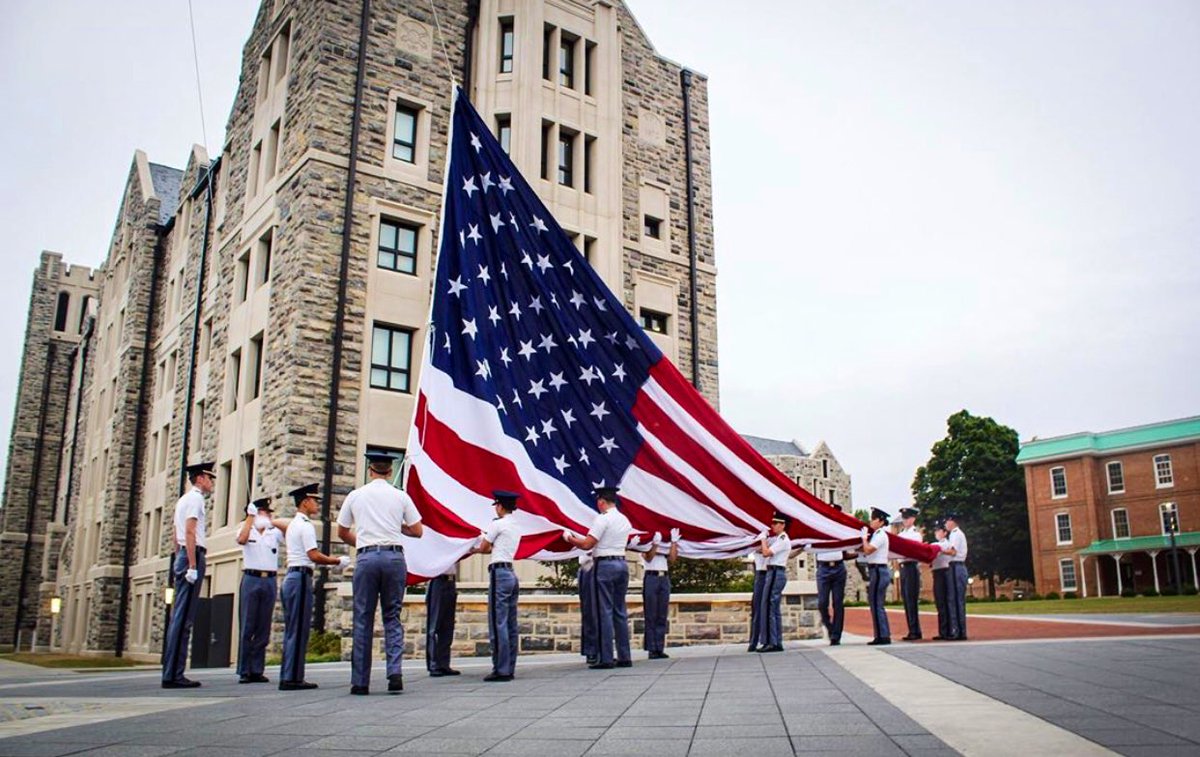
[
  {"x": 1102, "y": 508},
  {"x": 245, "y": 316}
]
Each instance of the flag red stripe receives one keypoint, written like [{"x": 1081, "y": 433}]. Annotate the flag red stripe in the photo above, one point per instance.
[
  {"x": 434, "y": 514},
  {"x": 652, "y": 463}
]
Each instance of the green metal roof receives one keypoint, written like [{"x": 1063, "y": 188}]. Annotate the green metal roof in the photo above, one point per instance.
[
  {"x": 1141, "y": 544},
  {"x": 1110, "y": 442}
]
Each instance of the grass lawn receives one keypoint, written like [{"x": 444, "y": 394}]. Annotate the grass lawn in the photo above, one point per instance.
[
  {"x": 1094, "y": 604},
  {"x": 68, "y": 661}
]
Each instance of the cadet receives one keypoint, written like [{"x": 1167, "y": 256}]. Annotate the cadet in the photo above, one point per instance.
[
  {"x": 500, "y": 541},
  {"x": 441, "y": 600},
  {"x": 656, "y": 594},
  {"x": 589, "y": 630},
  {"x": 188, "y": 574},
  {"x": 381, "y": 515},
  {"x": 941, "y": 583},
  {"x": 831, "y": 587},
  {"x": 760, "y": 572},
  {"x": 957, "y": 596},
  {"x": 609, "y": 535},
  {"x": 776, "y": 550},
  {"x": 910, "y": 574},
  {"x": 880, "y": 577},
  {"x": 260, "y": 537},
  {"x": 302, "y": 556}
]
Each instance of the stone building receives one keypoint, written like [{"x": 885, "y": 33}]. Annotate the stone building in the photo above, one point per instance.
[{"x": 265, "y": 308}]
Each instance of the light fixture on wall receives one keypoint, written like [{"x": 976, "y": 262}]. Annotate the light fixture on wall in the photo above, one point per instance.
[
  {"x": 169, "y": 595},
  {"x": 55, "y": 605}
]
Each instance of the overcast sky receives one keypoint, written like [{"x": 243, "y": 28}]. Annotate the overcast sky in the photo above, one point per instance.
[{"x": 920, "y": 207}]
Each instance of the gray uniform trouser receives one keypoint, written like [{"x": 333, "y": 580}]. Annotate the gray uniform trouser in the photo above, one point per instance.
[
  {"x": 257, "y": 597},
  {"x": 941, "y": 589},
  {"x": 958, "y": 598},
  {"x": 503, "y": 593},
  {"x": 612, "y": 583},
  {"x": 831, "y": 587},
  {"x": 589, "y": 631},
  {"x": 880, "y": 580},
  {"x": 379, "y": 579},
  {"x": 910, "y": 592},
  {"x": 441, "y": 599},
  {"x": 656, "y": 598},
  {"x": 183, "y": 615},
  {"x": 297, "y": 598},
  {"x": 770, "y": 606},
  {"x": 756, "y": 631}
]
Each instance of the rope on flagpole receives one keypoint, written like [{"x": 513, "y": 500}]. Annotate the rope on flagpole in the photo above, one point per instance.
[
  {"x": 442, "y": 40},
  {"x": 196, "y": 64}
]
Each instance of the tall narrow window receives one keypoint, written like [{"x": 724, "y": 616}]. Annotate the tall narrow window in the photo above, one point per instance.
[
  {"x": 255, "y": 162},
  {"x": 283, "y": 45},
  {"x": 652, "y": 227},
  {"x": 391, "y": 358},
  {"x": 1066, "y": 574},
  {"x": 233, "y": 380},
  {"x": 1169, "y": 515},
  {"x": 1163, "y": 474},
  {"x": 254, "y": 379},
  {"x": 245, "y": 486},
  {"x": 589, "y": 157},
  {"x": 264, "y": 75},
  {"x": 824, "y": 468},
  {"x": 566, "y": 159},
  {"x": 224, "y": 490},
  {"x": 504, "y": 131},
  {"x": 1120, "y": 523},
  {"x": 654, "y": 321},
  {"x": 60, "y": 311},
  {"x": 241, "y": 277},
  {"x": 566, "y": 61},
  {"x": 589, "y": 250},
  {"x": 404, "y": 140},
  {"x": 1058, "y": 482},
  {"x": 589, "y": 56},
  {"x": 547, "y": 50},
  {"x": 83, "y": 310},
  {"x": 1116, "y": 477},
  {"x": 197, "y": 425},
  {"x": 271, "y": 160},
  {"x": 506, "y": 45},
  {"x": 546, "y": 127},
  {"x": 266, "y": 245},
  {"x": 397, "y": 246},
  {"x": 205, "y": 341},
  {"x": 1062, "y": 525}
]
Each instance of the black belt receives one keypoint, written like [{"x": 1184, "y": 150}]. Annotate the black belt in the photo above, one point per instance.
[
  {"x": 874, "y": 566},
  {"x": 611, "y": 557},
  {"x": 764, "y": 570},
  {"x": 935, "y": 570},
  {"x": 199, "y": 549},
  {"x": 260, "y": 573},
  {"x": 656, "y": 573},
  {"x": 381, "y": 548},
  {"x": 831, "y": 562},
  {"x": 776, "y": 567},
  {"x": 908, "y": 562},
  {"x": 306, "y": 570},
  {"x": 495, "y": 565}
]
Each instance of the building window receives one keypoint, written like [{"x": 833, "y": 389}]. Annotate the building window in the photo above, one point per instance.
[
  {"x": 241, "y": 278},
  {"x": 506, "y": 45},
  {"x": 824, "y": 469},
  {"x": 504, "y": 131},
  {"x": 566, "y": 159},
  {"x": 1058, "y": 482},
  {"x": 652, "y": 227},
  {"x": 589, "y": 55},
  {"x": 1169, "y": 515},
  {"x": 245, "y": 490},
  {"x": 391, "y": 356},
  {"x": 224, "y": 488},
  {"x": 566, "y": 61},
  {"x": 547, "y": 49},
  {"x": 1066, "y": 574},
  {"x": 546, "y": 127},
  {"x": 60, "y": 312},
  {"x": 271, "y": 158},
  {"x": 283, "y": 44},
  {"x": 833, "y": 496},
  {"x": 83, "y": 310},
  {"x": 654, "y": 321},
  {"x": 205, "y": 341},
  {"x": 397, "y": 467},
  {"x": 1163, "y": 475},
  {"x": 254, "y": 380},
  {"x": 397, "y": 246},
  {"x": 1116, "y": 477},
  {"x": 197, "y": 425},
  {"x": 266, "y": 244},
  {"x": 589, "y": 159},
  {"x": 233, "y": 379},
  {"x": 589, "y": 250},
  {"x": 255, "y": 161},
  {"x": 1120, "y": 523},
  {"x": 404, "y": 139},
  {"x": 1062, "y": 524}
]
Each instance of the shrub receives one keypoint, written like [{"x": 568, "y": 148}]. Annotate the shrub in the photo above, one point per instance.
[
  {"x": 1150, "y": 593},
  {"x": 1128, "y": 593},
  {"x": 324, "y": 646},
  {"x": 1034, "y": 597},
  {"x": 1070, "y": 595},
  {"x": 1170, "y": 591},
  {"x": 1052, "y": 595},
  {"x": 1003, "y": 598},
  {"x": 971, "y": 598},
  {"x": 1190, "y": 590}
]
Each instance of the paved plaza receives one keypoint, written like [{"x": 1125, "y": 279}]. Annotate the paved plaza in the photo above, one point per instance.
[{"x": 1132, "y": 695}]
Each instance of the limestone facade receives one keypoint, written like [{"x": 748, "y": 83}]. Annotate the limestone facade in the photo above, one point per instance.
[{"x": 219, "y": 296}]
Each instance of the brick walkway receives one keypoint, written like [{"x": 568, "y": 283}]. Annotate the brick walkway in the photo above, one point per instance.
[{"x": 988, "y": 628}]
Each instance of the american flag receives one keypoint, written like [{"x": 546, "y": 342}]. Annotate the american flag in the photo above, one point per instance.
[{"x": 536, "y": 379}]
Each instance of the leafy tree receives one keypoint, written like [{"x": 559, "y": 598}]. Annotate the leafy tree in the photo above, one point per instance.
[
  {"x": 565, "y": 579},
  {"x": 702, "y": 576},
  {"x": 973, "y": 472},
  {"x": 863, "y": 515}
]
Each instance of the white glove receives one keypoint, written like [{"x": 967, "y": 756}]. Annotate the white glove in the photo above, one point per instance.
[
  {"x": 674, "y": 535},
  {"x": 864, "y": 531},
  {"x": 762, "y": 536},
  {"x": 191, "y": 575},
  {"x": 251, "y": 509},
  {"x": 567, "y": 536},
  {"x": 343, "y": 562},
  {"x": 635, "y": 539},
  {"x": 657, "y": 538}
]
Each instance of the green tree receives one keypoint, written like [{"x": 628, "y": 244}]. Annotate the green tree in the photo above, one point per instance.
[
  {"x": 973, "y": 472},
  {"x": 702, "y": 576},
  {"x": 565, "y": 579}
]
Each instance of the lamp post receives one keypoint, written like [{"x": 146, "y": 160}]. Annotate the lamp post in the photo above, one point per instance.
[
  {"x": 55, "y": 609},
  {"x": 1172, "y": 527}
]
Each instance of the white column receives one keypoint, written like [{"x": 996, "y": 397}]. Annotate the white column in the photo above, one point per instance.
[
  {"x": 1083, "y": 576},
  {"x": 1120, "y": 586},
  {"x": 1195, "y": 578},
  {"x": 1154, "y": 563},
  {"x": 1099, "y": 582}
]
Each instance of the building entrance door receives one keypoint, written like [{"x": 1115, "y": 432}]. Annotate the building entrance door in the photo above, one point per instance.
[{"x": 213, "y": 632}]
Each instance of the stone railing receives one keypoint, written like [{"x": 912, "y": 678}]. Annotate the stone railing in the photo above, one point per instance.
[{"x": 551, "y": 622}]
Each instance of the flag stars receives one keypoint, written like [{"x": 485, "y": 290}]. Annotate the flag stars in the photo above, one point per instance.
[
  {"x": 504, "y": 271},
  {"x": 526, "y": 350},
  {"x": 526, "y": 260},
  {"x": 547, "y": 343},
  {"x": 512, "y": 218},
  {"x": 548, "y": 428},
  {"x": 570, "y": 266},
  {"x": 456, "y": 286},
  {"x": 536, "y": 304},
  {"x": 619, "y": 372},
  {"x": 588, "y": 375},
  {"x": 557, "y": 381},
  {"x": 561, "y": 463},
  {"x": 484, "y": 370},
  {"x": 608, "y": 444},
  {"x": 485, "y": 181},
  {"x": 537, "y": 389},
  {"x": 539, "y": 224},
  {"x": 631, "y": 343},
  {"x": 475, "y": 142},
  {"x": 568, "y": 418},
  {"x": 611, "y": 337},
  {"x": 505, "y": 185},
  {"x": 496, "y": 222},
  {"x": 554, "y": 301},
  {"x": 500, "y": 406},
  {"x": 583, "y": 457},
  {"x": 577, "y": 299},
  {"x": 504, "y": 358},
  {"x": 493, "y": 315},
  {"x": 469, "y": 328},
  {"x": 446, "y": 346},
  {"x": 469, "y": 185},
  {"x": 531, "y": 435},
  {"x": 515, "y": 311},
  {"x": 599, "y": 411},
  {"x": 473, "y": 234},
  {"x": 543, "y": 262},
  {"x": 585, "y": 337},
  {"x": 601, "y": 305},
  {"x": 483, "y": 274},
  {"x": 517, "y": 399}
]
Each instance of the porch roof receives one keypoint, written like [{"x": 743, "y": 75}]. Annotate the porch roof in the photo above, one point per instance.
[{"x": 1141, "y": 544}]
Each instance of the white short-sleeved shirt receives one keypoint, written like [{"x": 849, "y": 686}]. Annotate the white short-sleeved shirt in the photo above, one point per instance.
[
  {"x": 301, "y": 537},
  {"x": 958, "y": 540},
  {"x": 781, "y": 549},
  {"x": 190, "y": 505},
  {"x": 261, "y": 550},
  {"x": 879, "y": 540},
  {"x": 611, "y": 531},
  {"x": 503, "y": 536},
  {"x": 831, "y": 556},
  {"x": 659, "y": 561},
  {"x": 912, "y": 533},
  {"x": 760, "y": 560},
  {"x": 943, "y": 559},
  {"x": 377, "y": 511}
]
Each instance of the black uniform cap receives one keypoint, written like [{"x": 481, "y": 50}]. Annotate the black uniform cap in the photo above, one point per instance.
[
  {"x": 909, "y": 512},
  {"x": 506, "y": 499},
  {"x": 779, "y": 517},
  {"x": 304, "y": 492},
  {"x": 882, "y": 515},
  {"x": 950, "y": 516},
  {"x": 607, "y": 492},
  {"x": 382, "y": 458},
  {"x": 197, "y": 468},
  {"x": 262, "y": 503}
]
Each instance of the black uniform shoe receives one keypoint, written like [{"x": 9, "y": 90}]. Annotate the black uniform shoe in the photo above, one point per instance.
[
  {"x": 659, "y": 655},
  {"x": 259, "y": 678},
  {"x": 436, "y": 673},
  {"x": 592, "y": 660},
  {"x": 245, "y": 679},
  {"x": 359, "y": 691},
  {"x": 912, "y": 637},
  {"x": 395, "y": 684},
  {"x": 771, "y": 648},
  {"x": 182, "y": 683},
  {"x": 496, "y": 678},
  {"x": 835, "y": 642},
  {"x": 624, "y": 663},
  {"x": 752, "y": 648},
  {"x": 296, "y": 686},
  {"x": 956, "y": 638},
  {"x": 451, "y": 672},
  {"x": 601, "y": 666},
  {"x": 879, "y": 642},
  {"x": 942, "y": 638}
]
